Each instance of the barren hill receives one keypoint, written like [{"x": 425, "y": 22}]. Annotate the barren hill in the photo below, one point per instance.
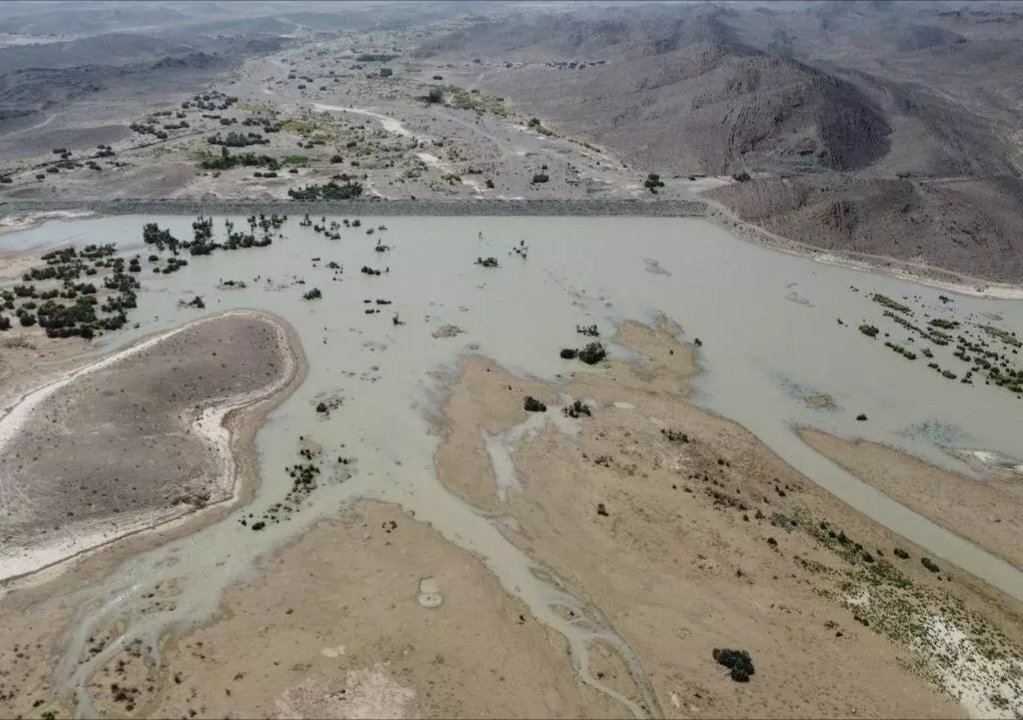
[{"x": 863, "y": 105}]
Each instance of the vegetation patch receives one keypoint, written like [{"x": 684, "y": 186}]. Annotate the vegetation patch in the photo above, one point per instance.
[
  {"x": 328, "y": 191},
  {"x": 531, "y": 404},
  {"x": 738, "y": 662},
  {"x": 892, "y": 304}
]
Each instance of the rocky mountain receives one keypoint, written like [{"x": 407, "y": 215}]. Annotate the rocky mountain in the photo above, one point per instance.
[{"x": 887, "y": 128}]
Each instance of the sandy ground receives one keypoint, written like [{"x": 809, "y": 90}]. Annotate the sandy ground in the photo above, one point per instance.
[
  {"x": 987, "y": 511},
  {"x": 680, "y": 564},
  {"x": 682, "y": 545},
  {"x": 12, "y": 224},
  {"x": 315, "y": 637},
  {"x": 112, "y": 443}
]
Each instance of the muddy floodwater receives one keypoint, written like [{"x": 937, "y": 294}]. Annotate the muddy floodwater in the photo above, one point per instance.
[{"x": 769, "y": 340}]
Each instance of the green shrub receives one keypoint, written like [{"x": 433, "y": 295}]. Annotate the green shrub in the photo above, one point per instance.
[
  {"x": 592, "y": 353},
  {"x": 531, "y": 404},
  {"x": 653, "y": 181},
  {"x": 739, "y": 663}
]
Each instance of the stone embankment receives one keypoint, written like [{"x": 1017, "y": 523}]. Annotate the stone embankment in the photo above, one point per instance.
[{"x": 594, "y": 207}]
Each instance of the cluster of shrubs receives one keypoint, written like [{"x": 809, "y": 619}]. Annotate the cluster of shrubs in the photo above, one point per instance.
[
  {"x": 236, "y": 139},
  {"x": 207, "y": 101},
  {"x": 577, "y": 409},
  {"x": 329, "y": 191},
  {"x": 148, "y": 129},
  {"x": 738, "y": 662},
  {"x": 591, "y": 354},
  {"x": 226, "y": 161}
]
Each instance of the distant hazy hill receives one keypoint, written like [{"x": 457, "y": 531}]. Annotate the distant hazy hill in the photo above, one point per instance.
[{"x": 106, "y": 49}]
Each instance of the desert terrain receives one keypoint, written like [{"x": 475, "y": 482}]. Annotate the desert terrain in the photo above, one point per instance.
[
  {"x": 439, "y": 360},
  {"x": 906, "y": 154}
]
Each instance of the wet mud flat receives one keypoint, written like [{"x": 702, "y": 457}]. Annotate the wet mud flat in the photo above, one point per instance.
[{"x": 133, "y": 440}]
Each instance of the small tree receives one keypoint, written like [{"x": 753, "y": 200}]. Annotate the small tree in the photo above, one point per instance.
[
  {"x": 652, "y": 182},
  {"x": 435, "y": 96}
]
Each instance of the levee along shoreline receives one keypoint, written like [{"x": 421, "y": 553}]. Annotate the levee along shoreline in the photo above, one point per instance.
[{"x": 381, "y": 207}]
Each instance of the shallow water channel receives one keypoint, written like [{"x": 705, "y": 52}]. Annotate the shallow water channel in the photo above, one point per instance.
[{"x": 767, "y": 322}]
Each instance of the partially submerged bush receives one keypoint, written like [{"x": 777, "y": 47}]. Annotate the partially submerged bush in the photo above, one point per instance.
[
  {"x": 592, "y": 353},
  {"x": 577, "y": 409}
]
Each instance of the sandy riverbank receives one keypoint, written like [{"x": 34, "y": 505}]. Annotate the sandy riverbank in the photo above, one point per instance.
[
  {"x": 987, "y": 510},
  {"x": 928, "y": 276},
  {"x": 226, "y": 428},
  {"x": 25, "y": 221},
  {"x": 681, "y": 544},
  {"x": 686, "y": 534}
]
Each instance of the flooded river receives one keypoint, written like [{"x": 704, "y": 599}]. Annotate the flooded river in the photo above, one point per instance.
[{"x": 768, "y": 324}]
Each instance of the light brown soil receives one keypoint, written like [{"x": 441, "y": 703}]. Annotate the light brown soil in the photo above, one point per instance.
[
  {"x": 33, "y": 645},
  {"x": 333, "y": 628},
  {"x": 681, "y": 563},
  {"x": 988, "y": 512},
  {"x": 121, "y": 426}
]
